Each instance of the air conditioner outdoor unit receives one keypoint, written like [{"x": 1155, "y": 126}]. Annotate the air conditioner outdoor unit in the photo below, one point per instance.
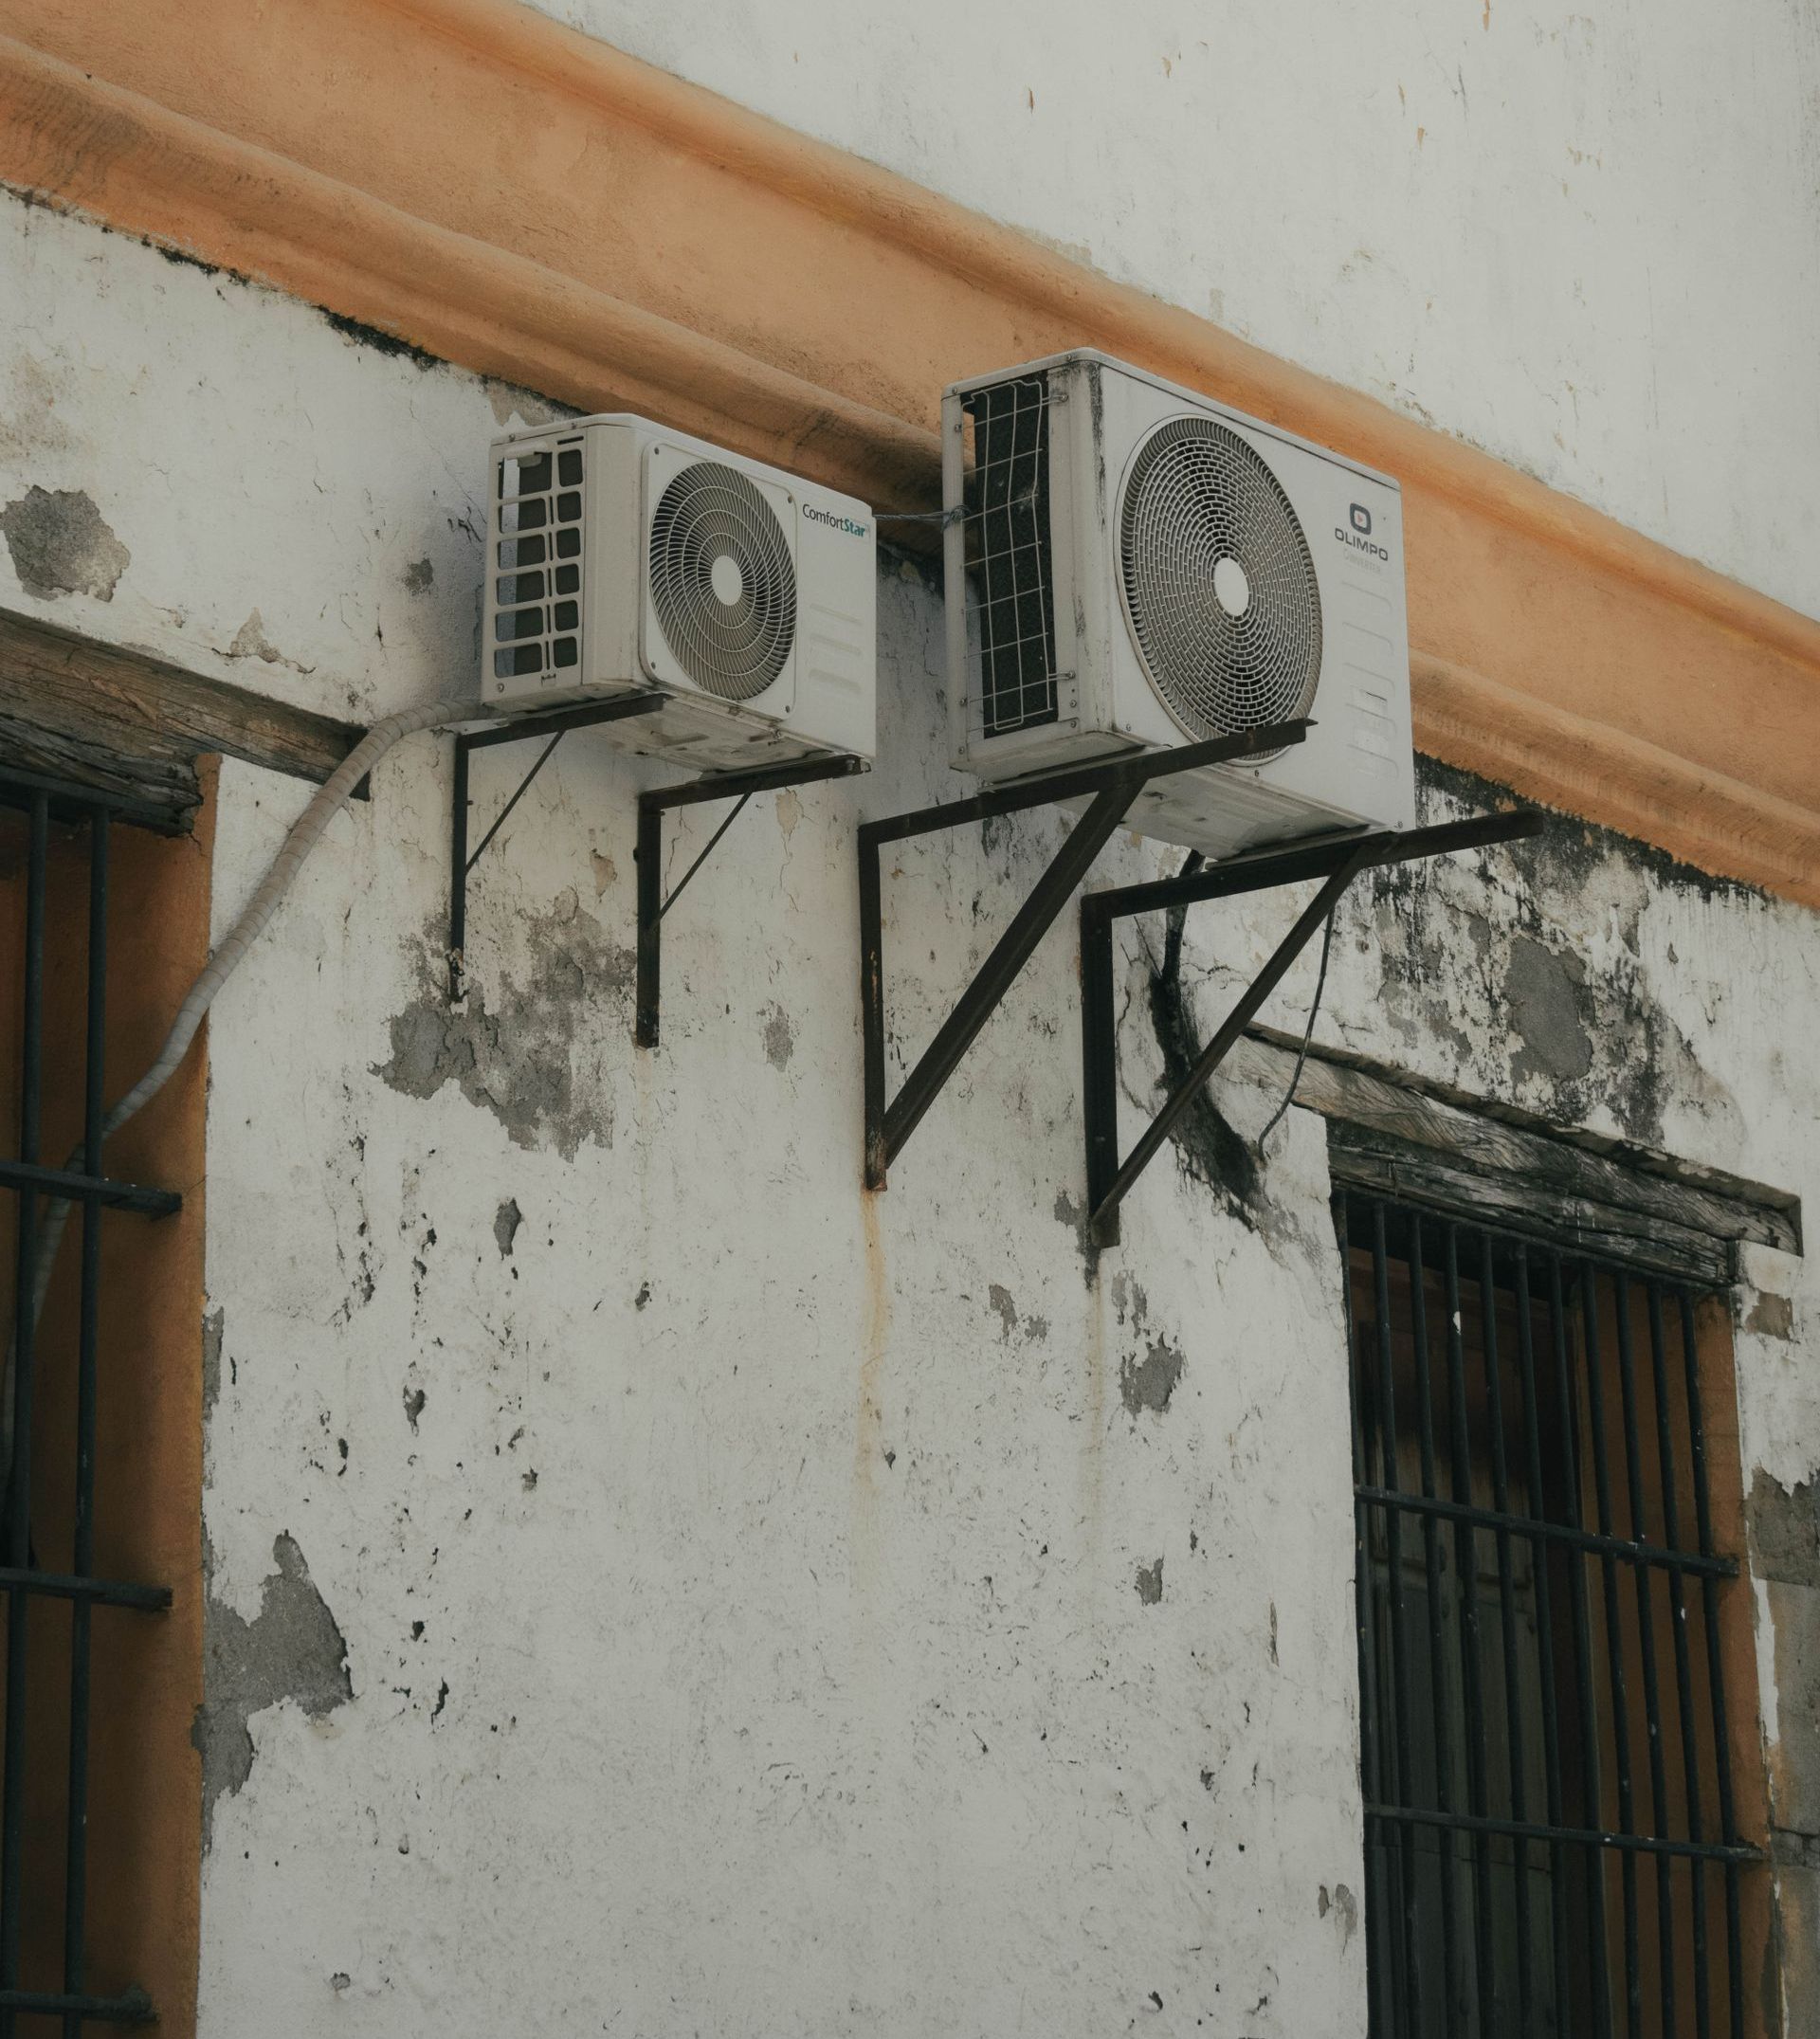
[
  {"x": 1136, "y": 566},
  {"x": 625, "y": 556}
]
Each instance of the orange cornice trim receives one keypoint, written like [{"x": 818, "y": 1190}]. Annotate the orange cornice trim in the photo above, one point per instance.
[
  {"x": 518, "y": 198},
  {"x": 1163, "y": 337}
]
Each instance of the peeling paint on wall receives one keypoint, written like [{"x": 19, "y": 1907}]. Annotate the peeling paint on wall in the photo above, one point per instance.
[
  {"x": 506, "y": 1220},
  {"x": 518, "y": 1061},
  {"x": 822, "y": 1549},
  {"x": 292, "y": 1650}
]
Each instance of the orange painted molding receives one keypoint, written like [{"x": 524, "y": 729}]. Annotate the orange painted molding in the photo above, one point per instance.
[{"x": 531, "y": 204}]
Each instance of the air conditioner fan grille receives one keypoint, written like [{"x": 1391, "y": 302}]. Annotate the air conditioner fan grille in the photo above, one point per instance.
[
  {"x": 1219, "y": 583},
  {"x": 723, "y": 581}
]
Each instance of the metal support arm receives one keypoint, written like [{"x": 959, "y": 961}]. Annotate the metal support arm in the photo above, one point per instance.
[
  {"x": 1112, "y": 787},
  {"x": 555, "y": 726},
  {"x": 1337, "y": 860},
  {"x": 735, "y": 786}
]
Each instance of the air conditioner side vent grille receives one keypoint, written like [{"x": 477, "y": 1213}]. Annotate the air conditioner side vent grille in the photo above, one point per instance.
[
  {"x": 1007, "y": 509},
  {"x": 538, "y": 497}
]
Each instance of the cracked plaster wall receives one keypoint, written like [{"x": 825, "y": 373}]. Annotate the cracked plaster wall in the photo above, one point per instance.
[{"x": 759, "y": 1607}]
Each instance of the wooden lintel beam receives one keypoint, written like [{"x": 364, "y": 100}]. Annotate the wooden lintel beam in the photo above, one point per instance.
[{"x": 131, "y": 724}]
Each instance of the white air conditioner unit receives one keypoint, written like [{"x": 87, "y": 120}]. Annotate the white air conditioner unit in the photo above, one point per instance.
[
  {"x": 1136, "y": 568},
  {"x": 624, "y": 556}
]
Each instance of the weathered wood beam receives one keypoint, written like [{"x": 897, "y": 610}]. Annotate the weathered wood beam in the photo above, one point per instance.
[
  {"x": 1390, "y": 1137},
  {"x": 129, "y": 724}
]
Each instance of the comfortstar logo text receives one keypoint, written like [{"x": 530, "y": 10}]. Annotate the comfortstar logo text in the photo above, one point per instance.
[{"x": 833, "y": 522}]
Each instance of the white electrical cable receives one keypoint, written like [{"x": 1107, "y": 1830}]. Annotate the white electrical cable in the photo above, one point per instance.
[{"x": 306, "y": 832}]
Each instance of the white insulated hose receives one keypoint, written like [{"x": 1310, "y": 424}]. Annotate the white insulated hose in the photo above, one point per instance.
[{"x": 306, "y": 832}]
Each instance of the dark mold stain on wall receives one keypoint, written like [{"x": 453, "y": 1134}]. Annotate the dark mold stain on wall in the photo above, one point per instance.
[
  {"x": 60, "y": 545},
  {"x": 1207, "y": 1146},
  {"x": 1557, "y": 1030}
]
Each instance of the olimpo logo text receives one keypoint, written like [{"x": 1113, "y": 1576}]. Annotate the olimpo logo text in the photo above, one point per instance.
[{"x": 1359, "y": 537}]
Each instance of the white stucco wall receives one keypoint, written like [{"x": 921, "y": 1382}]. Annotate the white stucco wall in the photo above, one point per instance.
[
  {"x": 783, "y": 1665},
  {"x": 1584, "y": 240}
]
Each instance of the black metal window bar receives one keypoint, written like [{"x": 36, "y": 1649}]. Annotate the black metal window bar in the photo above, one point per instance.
[
  {"x": 1552, "y": 1842},
  {"x": 32, "y": 811}
]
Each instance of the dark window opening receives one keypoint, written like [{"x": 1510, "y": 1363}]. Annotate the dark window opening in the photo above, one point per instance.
[
  {"x": 1552, "y": 1836},
  {"x": 55, "y": 846}
]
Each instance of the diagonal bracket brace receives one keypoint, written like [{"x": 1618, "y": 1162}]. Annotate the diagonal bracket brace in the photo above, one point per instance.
[
  {"x": 520, "y": 730},
  {"x": 653, "y": 905},
  {"x": 1110, "y": 788},
  {"x": 1337, "y": 859}
]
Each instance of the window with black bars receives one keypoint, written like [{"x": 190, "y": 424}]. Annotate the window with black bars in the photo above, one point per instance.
[
  {"x": 54, "y": 855},
  {"x": 1552, "y": 1845}
]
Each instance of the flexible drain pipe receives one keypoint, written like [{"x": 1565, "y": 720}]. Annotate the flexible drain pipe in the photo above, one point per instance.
[{"x": 306, "y": 832}]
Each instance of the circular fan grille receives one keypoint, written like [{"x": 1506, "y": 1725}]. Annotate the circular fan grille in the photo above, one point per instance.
[
  {"x": 1219, "y": 582},
  {"x": 723, "y": 581}
]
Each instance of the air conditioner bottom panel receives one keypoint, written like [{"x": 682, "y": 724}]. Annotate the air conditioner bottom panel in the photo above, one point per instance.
[
  {"x": 699, "y": 735},
  {"x": 1221, "y": 811}
]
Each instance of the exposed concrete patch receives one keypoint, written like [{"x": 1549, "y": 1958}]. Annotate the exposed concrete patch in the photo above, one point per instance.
[
  {"x": 60, "y": 545},
  {"x": 520, "y": 1062},
  {"x": 1150, "y": 1583},
  {"x": 780, "y": 1039},
  {"x": 1784, "y": 1529},
  {"x": 1796, "y": 1952},
  {"x": 1773, "y": 1316},
  {"x": 292, "y": 1650},
  {"x": 250, "y": 642},
  {"x": 506, "y": 1220},
  {"x": 1148, "y": 1382},
  {"x": 213, "y": 1324},
  {"x": 414, "y": 1400},
  {"x": 1794, "y": 1756},
  {"x": 513, "y": 406},
  {"x": 1070, "y": 1212},
  {"x": 605, "y": 871},
  {"x": 999, "y": 1299},
  {"x": 1151, "y": 1372},
  {"x": 1542, "y": 992},
  {"x": 1345, "y": 1906}
]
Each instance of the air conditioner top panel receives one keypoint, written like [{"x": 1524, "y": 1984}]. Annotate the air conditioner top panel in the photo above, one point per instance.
[
  {"x": 683, "y": 442},
  {"x": 1091, "y": 356}
]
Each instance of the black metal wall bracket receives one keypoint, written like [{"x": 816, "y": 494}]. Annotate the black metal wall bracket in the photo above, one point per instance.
[
  {"x": 555, "y": 726},
  {"x": 1336, "y": 859},
  {"x": 738, "y": 787},
  {"x": 735, "y": 786},
  {"x": 1111, "y": 785}
]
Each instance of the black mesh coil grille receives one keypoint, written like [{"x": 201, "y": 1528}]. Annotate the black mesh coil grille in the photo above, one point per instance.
[
  {"x": 1198, "y": 501},
  {"x": 732, "y": 644},
  {"x": 1008, "y": 508}
]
